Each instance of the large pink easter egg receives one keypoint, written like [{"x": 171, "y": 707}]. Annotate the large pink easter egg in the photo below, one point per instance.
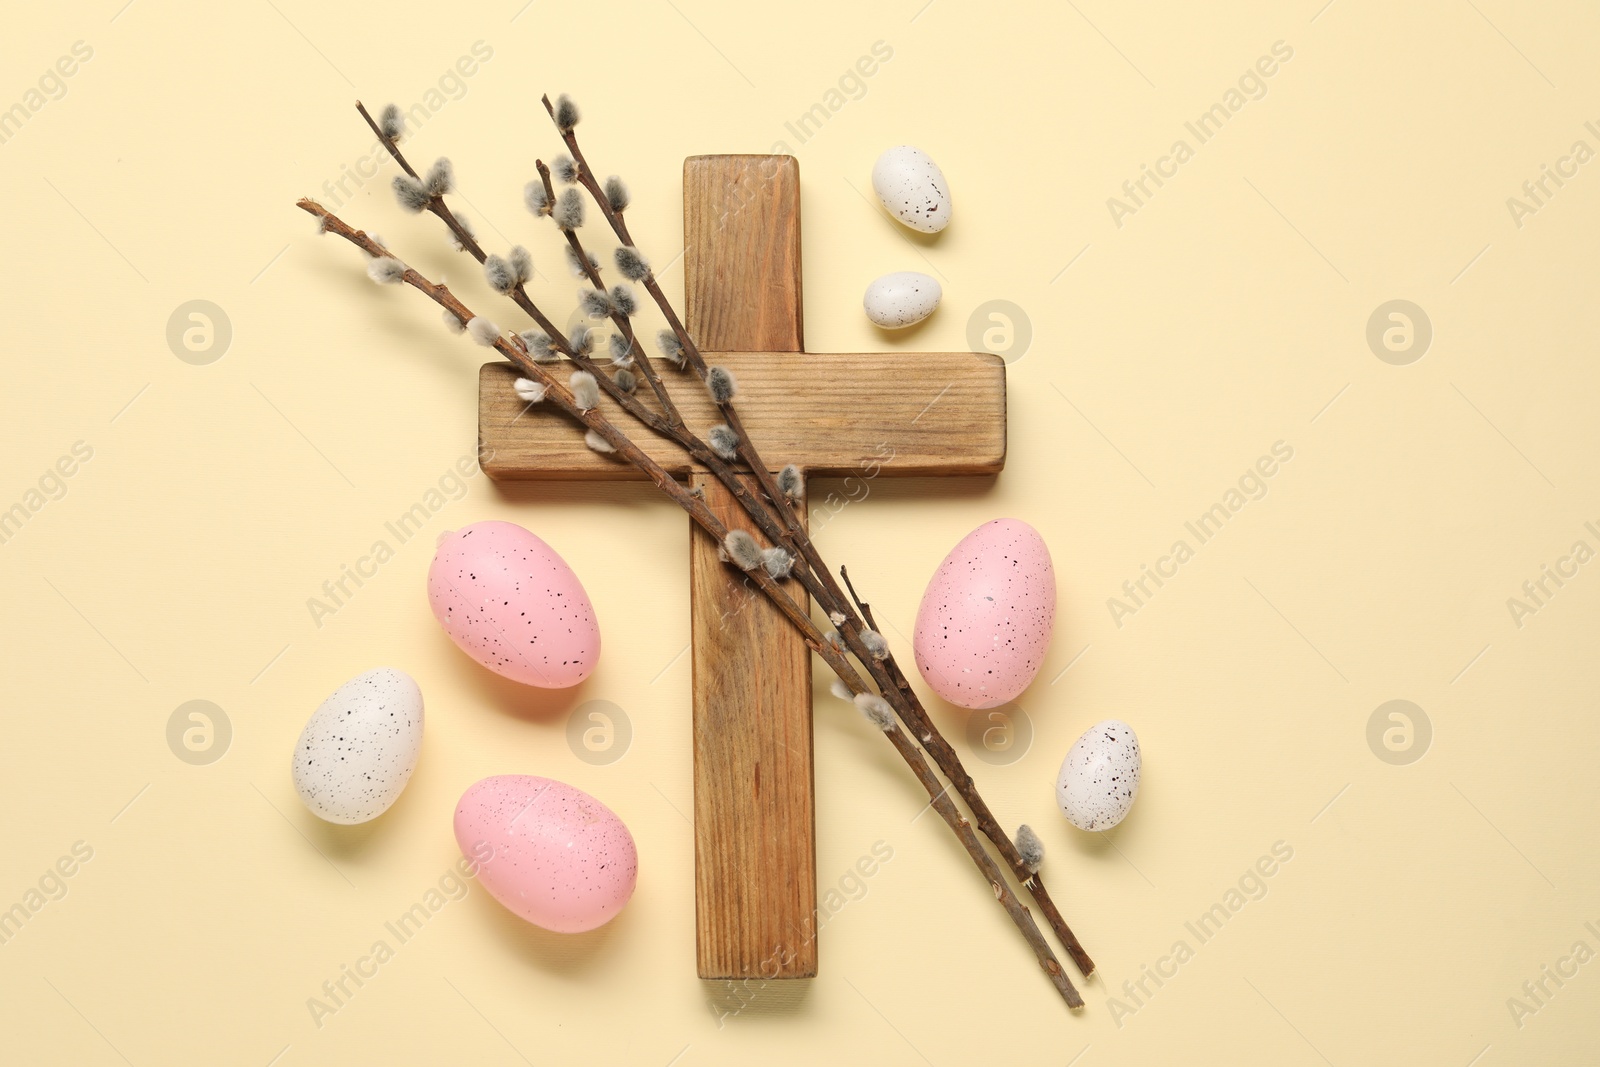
[
  {"x": 511, "y": 603},
  {"x": 557, "y": 857},
  {"x": 987, "y": 616}
]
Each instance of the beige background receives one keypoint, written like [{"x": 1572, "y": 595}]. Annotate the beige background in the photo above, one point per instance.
[{"x": 1227, "y": 314}]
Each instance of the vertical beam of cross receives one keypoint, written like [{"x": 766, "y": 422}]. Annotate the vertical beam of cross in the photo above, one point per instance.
[{"x": 755, "y": 855}]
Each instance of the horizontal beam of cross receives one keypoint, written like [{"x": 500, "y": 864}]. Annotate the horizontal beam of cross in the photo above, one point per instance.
[{"x": 831, "y": 414}]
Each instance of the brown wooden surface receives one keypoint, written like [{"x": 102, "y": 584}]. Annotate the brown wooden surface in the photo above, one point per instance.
[
  {"x": 741, "y": 230},
  {"x": 754, "y": 820},
  {"x": 754, "y": 828},
  {"x": 935, "y": 413}
]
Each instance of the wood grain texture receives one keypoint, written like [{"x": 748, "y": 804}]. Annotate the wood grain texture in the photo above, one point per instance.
[
  {"x": 741, "y": 256},
  {"x": 754, "y": 818},
  {"x": 936, "y": 413},
  {"x": 754, "y": 821}
]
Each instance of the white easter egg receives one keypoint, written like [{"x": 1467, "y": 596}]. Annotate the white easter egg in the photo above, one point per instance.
[
  {"x": 1099, "y": 779},
  {"x": 359, "y": 747},
  {"x": 912, "y": 187},
  {"x": 901, "y": 299}
]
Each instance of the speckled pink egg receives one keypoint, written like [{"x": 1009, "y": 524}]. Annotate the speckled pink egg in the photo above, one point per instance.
[
  {"x": 987, "y": 616},
  {"x": 557, "y": 857},
  {"x": 511, "y": 603}
]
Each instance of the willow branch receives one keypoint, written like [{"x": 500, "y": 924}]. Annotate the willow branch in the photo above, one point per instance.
[
  {"x": 437, "y": 205},
  {"x": 669, "y": 426},
  {"x": 1034, "y": 881},
  {"x": 797, "y": 539},
  {"x": 622, "y": 322}
]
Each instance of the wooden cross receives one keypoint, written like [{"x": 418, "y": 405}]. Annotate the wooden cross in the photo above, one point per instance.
[{"x": 862, "y": 416}]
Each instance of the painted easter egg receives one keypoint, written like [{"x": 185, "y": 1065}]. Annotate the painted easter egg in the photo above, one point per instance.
[
  {"x": 511, "y": 603},
  {"x": 912, "y": 187},
  {"x": 987, "y": 615},
  {"x": 551, "y": 853},
  {"x": 895, "y": 301},
  {"x": 1099, "y": 779},
  {"x": 359, "y": 747}
]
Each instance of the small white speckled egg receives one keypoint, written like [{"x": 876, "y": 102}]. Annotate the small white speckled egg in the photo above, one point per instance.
[
  {"x": 1099, "y": 779},
  {"x": 902, "y": 299},
  {"x": 913, "y": 188},
  {"x": 358, "y": 749}
]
